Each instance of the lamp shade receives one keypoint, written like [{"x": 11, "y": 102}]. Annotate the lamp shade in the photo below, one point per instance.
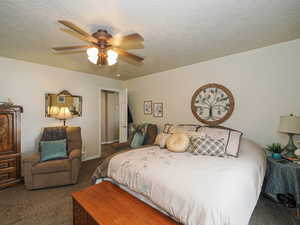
[
  {"x": 53, "y": 111},
  {"x": 289, "y": 124},
  {"x": 64, "y": 113}
]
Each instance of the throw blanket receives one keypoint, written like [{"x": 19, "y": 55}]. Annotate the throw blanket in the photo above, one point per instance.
[{"x": 101, "y": 170}]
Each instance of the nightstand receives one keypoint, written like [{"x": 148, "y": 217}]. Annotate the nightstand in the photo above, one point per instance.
[{"x": 282, "y": 177}]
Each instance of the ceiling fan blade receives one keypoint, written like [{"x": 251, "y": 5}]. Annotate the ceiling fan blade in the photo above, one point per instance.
[
  {"x": 74, "y": 27},
  {"x": 70, "y": 52},
  {"x": 129, "y": 45},
  {"x": 89, "y": 40},
  {"x": 118, "y": 40},
  {"x": 132, "y": 37},
  {"x": 71, "y": 47},
  {"x": 128, "y": 55},
  {"x": 81, "y": 34}
]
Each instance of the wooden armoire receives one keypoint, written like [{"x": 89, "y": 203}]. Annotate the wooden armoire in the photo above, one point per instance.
[{"x": 10, "y": 144}]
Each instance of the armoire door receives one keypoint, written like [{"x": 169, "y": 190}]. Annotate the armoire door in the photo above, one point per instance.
[{"x": 7, "y": 134}]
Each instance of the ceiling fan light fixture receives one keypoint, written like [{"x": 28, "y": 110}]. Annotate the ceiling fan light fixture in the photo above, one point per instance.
[
  {"x": 92, "y": 54},
  {"x": 102, "y": 48},
  {"x": 93, "y": 59},
  {"x": 112, "y": 57}
]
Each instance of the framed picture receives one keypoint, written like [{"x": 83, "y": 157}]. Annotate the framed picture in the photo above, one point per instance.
[
  {"x": 61, "y": 99},
  {"x": 147, "y": 107},
  {"x": 158, "y": 109}
]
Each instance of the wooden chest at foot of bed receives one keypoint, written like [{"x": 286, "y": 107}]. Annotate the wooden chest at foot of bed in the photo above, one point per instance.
[{"x": 106, "y": 204}]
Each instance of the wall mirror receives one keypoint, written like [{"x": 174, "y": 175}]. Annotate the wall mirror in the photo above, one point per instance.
[{"x": 63, "y": 102}]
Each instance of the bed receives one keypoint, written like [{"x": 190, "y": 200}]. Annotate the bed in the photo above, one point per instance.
[{"x": 192, "y": 189}]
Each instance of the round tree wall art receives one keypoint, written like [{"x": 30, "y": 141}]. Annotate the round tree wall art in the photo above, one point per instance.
[{"x": 212, "y": 104}]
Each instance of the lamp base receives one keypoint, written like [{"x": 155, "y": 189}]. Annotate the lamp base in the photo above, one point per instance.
[{"x": 290, "y": 148}]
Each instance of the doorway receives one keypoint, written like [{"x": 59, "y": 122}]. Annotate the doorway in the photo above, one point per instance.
[
  {"x": 113, "y": 117},
  {"x": 109, "y": 117}
]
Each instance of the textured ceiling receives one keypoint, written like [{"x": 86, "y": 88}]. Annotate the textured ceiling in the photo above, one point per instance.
[{"x": 177, "y": 32}]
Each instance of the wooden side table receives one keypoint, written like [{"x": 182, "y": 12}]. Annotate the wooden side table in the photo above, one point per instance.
[{"x": 282, "y": 177}]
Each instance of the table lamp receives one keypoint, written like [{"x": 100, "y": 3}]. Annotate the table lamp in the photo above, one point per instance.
[
  {"x": 64, "y": 114},
  {"x": 291, "y": 126}
]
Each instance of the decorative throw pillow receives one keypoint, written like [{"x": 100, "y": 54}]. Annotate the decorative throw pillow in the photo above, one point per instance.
[
  {"x": 233, "y": 143},
  {"x": 191, "y": 134},
  {"x": 167, "y": 128},
  {"x": 137, "y": 140},
  {"x": 231, "y": 138},
  {"x": 208, "y": 146},
  {"x": 178, "y": 142},
  {"x": 161, "y": 140},
  {"x": 53, "y": 150}
]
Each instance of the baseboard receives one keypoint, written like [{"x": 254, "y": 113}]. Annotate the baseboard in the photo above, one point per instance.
[
  {"x": 110, "y": 142},
  {"x": 92, "y": 157}
]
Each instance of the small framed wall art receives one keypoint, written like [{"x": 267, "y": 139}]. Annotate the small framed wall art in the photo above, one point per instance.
[
  {"x": 158, "y": 109},
  {"x": 147, "y": 107}
]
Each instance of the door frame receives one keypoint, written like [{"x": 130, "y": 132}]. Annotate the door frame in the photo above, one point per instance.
[{"x": 100, "y": 110}]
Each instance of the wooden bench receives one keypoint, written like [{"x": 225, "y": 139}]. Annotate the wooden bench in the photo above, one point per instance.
[{"x": 107, "y": 204}]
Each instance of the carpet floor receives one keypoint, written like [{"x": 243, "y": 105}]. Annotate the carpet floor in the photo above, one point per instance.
[{"x": 53, "y": 206}]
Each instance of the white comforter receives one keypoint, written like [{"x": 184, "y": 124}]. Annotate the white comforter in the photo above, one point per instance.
[{"x": 196, "y": 190}]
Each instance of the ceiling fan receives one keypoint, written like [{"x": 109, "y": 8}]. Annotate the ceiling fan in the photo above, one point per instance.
[{"x": 103, "y": 48}]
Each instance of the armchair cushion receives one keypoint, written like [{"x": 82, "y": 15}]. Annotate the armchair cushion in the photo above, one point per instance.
[
  {"x": 52, "y": 166},
  {"x": 32, "y": 159},
  {"x": 53, "y": 150}
]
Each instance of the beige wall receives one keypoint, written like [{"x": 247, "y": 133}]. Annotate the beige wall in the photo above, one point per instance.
[
  {"x": 26, "y": 84},
  {"x": 265, "y": 84}
]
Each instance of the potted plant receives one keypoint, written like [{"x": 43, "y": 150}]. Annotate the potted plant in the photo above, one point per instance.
[{"x": 276, "y": 150}]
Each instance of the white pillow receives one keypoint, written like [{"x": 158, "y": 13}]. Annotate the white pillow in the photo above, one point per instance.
[
  {"x": 183, "y": 128},
  {"x": 233, "y": 144},
  {"x": 161, "y": 139},
  {"x": 178, "y": 142}
]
